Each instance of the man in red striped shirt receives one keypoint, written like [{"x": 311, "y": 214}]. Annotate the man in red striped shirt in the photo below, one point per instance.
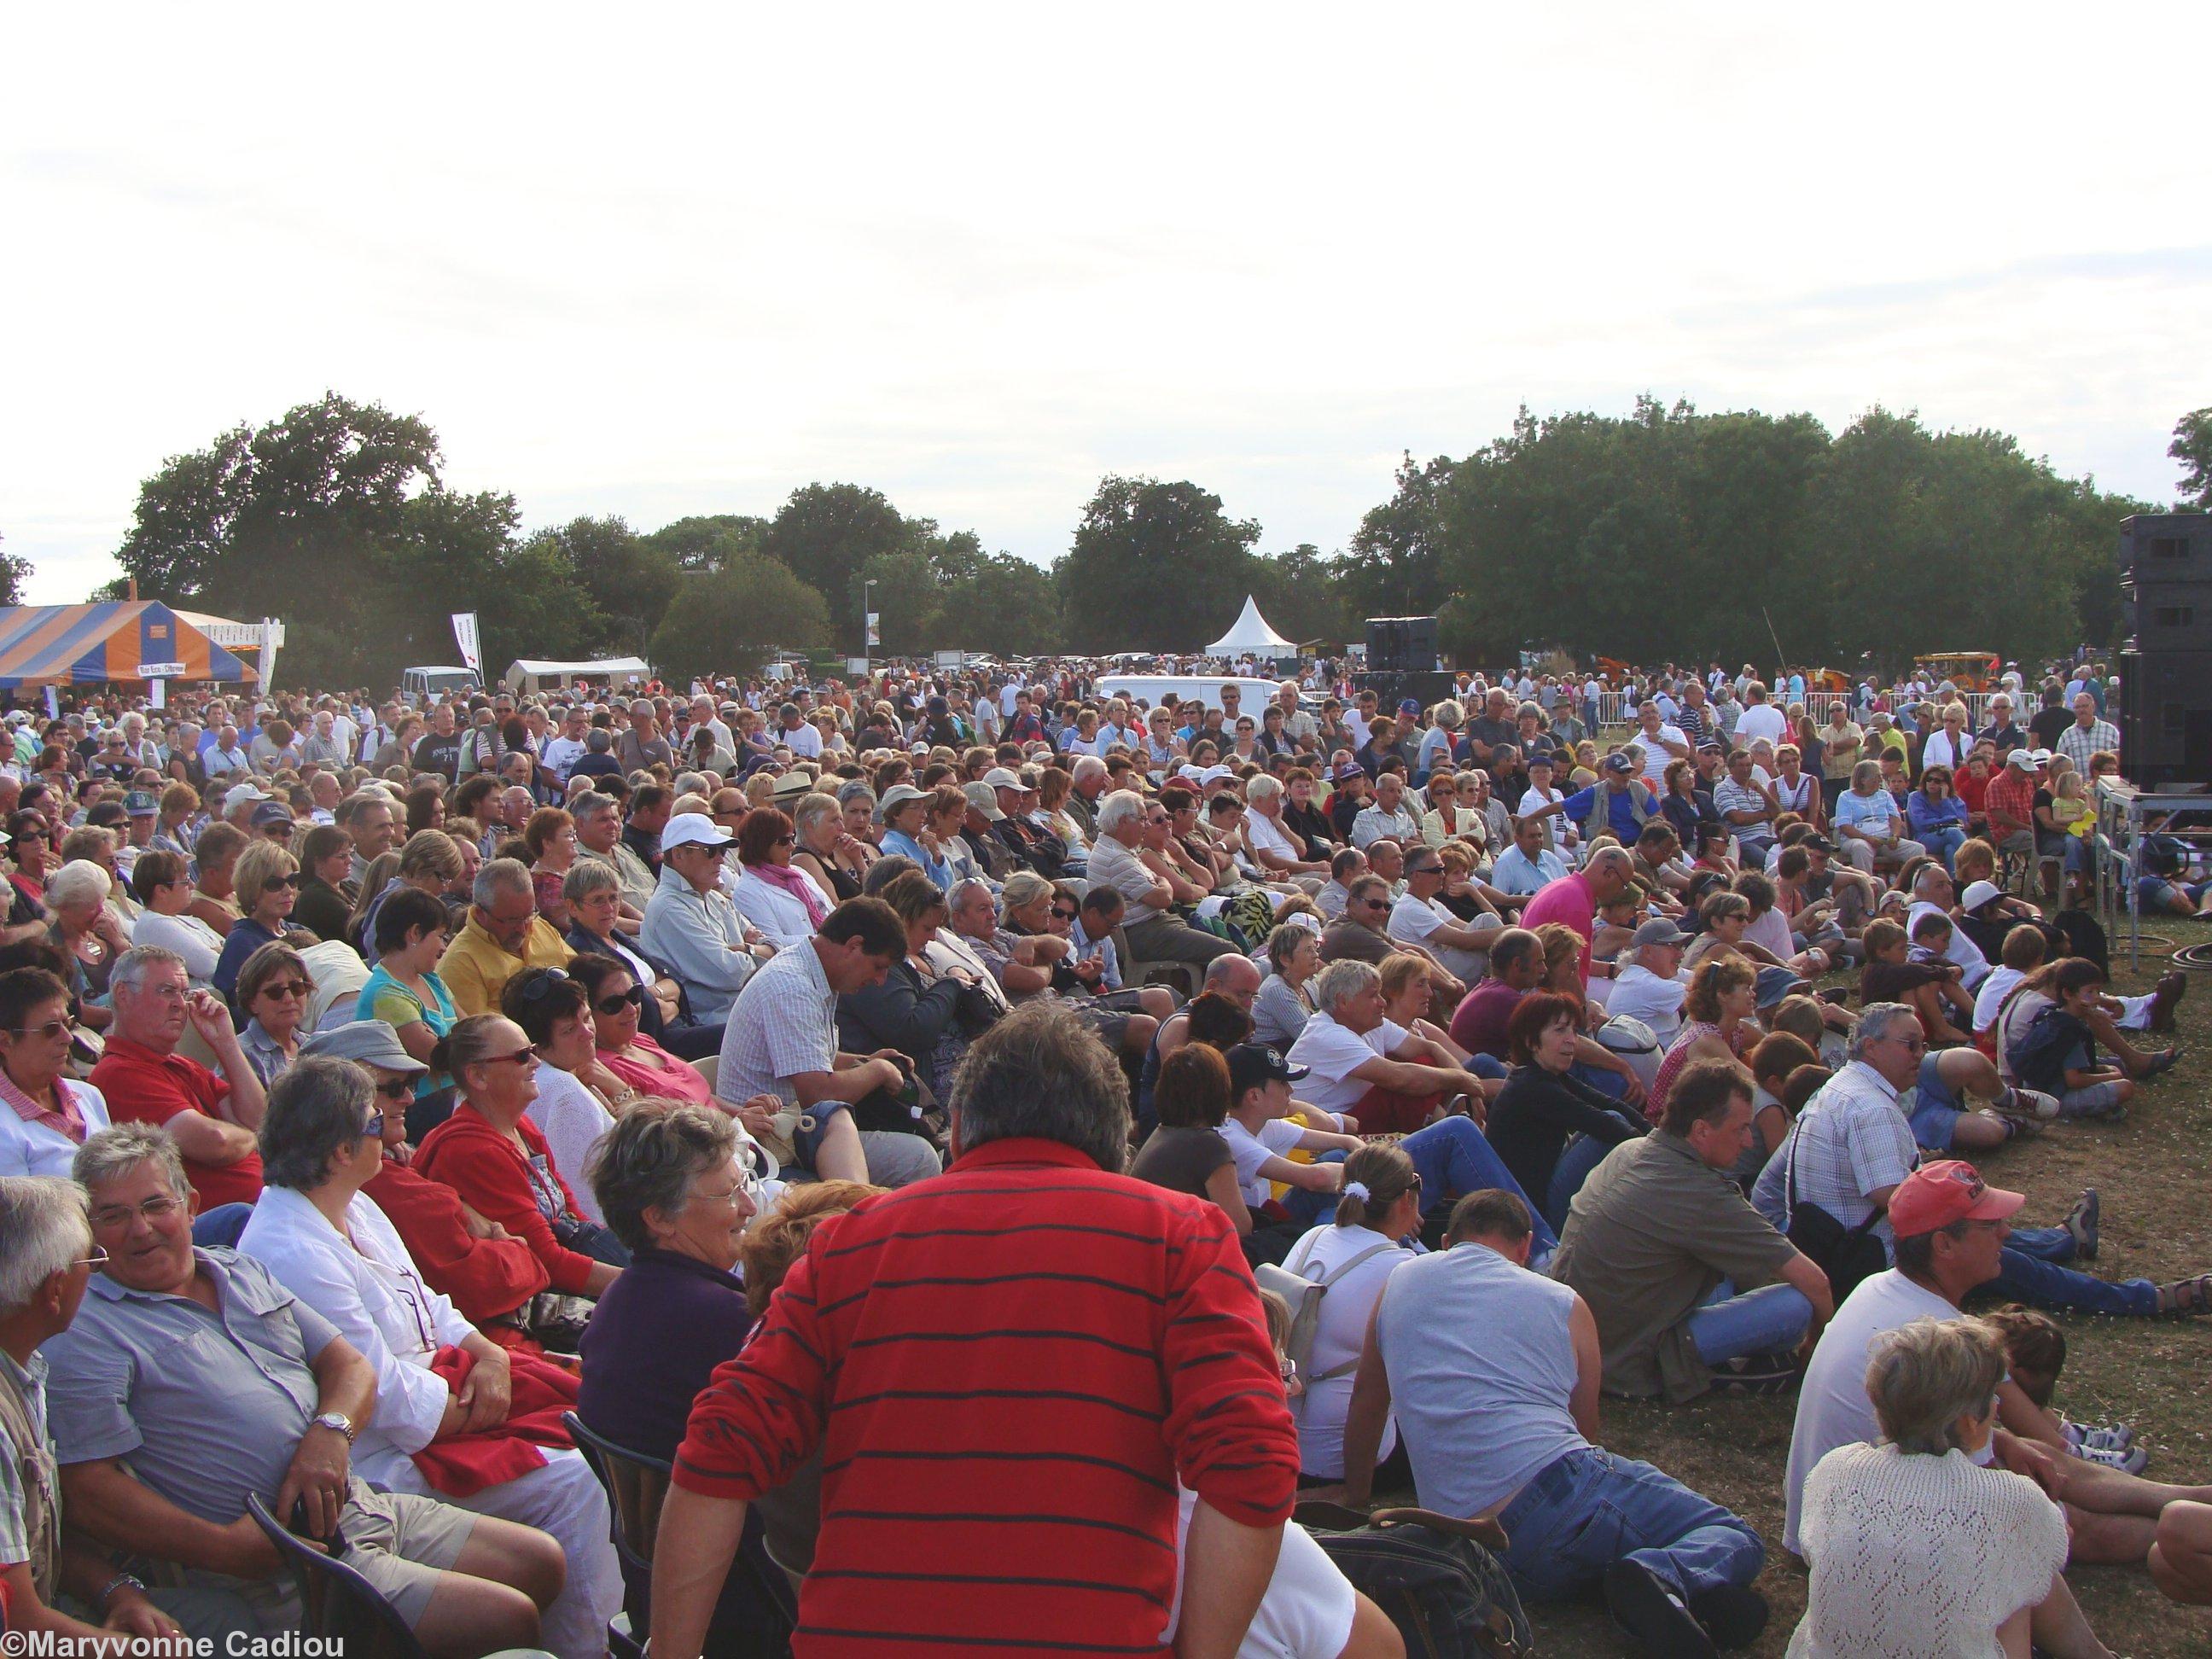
[{"x": 1006, "y": 1371}]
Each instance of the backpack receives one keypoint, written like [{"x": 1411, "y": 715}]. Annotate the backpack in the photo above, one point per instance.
[
  {"x": 1635, "y": 1042},
  {"x": 2039, "y": 1055},
  {"x": 1305, "y": 1295},
  {"x": 1436, "y": 1579}
]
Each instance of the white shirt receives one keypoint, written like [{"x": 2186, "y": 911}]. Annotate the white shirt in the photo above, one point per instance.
[
  {"x": 1414, "y": 921},
  {"x": 1332, "y": 1053},
  {"x": 1252, "y": 1148},
  {"x": 805, "y": 742},
  {"x": 572, "y": 1120},
  {"x": 371, "y": 1290},
  {"x": 1974, "y": 967},
  {"x": 1339, "y": 1335},
  {"x": 1657, "y": 756},
  {"x": 1264, "y": 835},
  {"x": 1990, "y": 998},
  {"x": 560, "y": 755},
  {"x": 1638, "y": 993},
  {"x": 1832, "y": 1407},
  {"x": 1941, "y": 749},
  {"x": 199, "y": 945},
  {"x": 780, "y": 916},
  {"x": 29, "y": 1148},
  {"x": 1306, "y": 1611},
  {"x": 1760, "y": 720}
]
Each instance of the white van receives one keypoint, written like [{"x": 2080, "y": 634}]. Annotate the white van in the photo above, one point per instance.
[{"x": 421, "y": 684}]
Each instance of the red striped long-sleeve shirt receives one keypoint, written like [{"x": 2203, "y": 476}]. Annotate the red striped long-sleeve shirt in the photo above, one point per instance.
[{"x": 1006, "y": 1371}]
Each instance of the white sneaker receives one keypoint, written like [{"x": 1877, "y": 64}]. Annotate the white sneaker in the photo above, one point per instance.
[{"x": 2128, "y": 1462}]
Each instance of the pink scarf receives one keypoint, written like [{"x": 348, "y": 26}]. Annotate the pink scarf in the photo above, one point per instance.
[{"x": 796, "y": 882}]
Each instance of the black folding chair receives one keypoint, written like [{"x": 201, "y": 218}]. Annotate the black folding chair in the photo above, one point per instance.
[
  {"x": 336, "y": 1601},
  {"x": 636, "y": 1486}
]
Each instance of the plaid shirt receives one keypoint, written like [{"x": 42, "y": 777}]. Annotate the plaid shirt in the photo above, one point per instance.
[
  {"x": 2078, "y": 741},
  {"x": 2010, "y": 802},
  {"x": 1851, "y": 1138}
]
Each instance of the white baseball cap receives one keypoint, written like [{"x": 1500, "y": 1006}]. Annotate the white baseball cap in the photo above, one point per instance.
[{"x": 693, "y": 829}]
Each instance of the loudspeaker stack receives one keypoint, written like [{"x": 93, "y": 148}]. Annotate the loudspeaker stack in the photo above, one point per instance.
[{"x": 2166, "y": 659}]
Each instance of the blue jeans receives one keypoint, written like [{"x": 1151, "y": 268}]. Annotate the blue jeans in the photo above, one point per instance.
[
  {"x": 1935, "y": 1108},
  {"x": 1452, "y": 1159},
  {"x": 1487, "y": 1067},
  {"x": 1581, "y": 1154},
  {"x": 1591, "y": 1509},
  {"x": 1941, "y": 841},
  {"x": 1729, "y": 1325},
  {"x": 2029, "y": 1268},
  {"x": 1612, "y": 1084}
]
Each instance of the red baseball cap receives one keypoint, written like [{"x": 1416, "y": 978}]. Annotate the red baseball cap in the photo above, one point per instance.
[{"x": 1935, "y": 1195}]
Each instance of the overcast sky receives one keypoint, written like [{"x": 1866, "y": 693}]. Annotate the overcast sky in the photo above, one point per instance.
[{"x": 657, "y": 261}]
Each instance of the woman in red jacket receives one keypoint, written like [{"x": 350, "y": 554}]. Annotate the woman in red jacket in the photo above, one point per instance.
[{"x": 496, "y": 1159}]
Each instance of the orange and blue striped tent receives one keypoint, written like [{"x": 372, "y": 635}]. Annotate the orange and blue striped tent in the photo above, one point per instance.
[{"x": 117, "y": 641}]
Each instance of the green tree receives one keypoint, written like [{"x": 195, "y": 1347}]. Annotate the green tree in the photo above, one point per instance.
[
  {"x": 1154, "y": 567},
  {"x": 827, "y": 533},
  {"x": 1395, "y": 564},
  {"x": 908, "y": 595},
  {"x": 14, "y": 571},
  {"x": 711, "y": 541},
  {"x": 2192, "y": 447},
  {"x": 1303, "y": 594},
  {"x": 1001, "y": 604},
  {"x": 728, "y": 620},
  {"x": 333, "y": 517},
  {"x": 630, "y": 580}
]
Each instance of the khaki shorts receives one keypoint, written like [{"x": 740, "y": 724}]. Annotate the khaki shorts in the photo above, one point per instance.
[{"x": 398, "y": 1541}]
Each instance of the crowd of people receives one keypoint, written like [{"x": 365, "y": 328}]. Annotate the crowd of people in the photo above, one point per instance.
[{"x": 1370, "y": 1091}]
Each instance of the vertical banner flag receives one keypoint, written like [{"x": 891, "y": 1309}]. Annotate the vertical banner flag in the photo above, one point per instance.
[
  {"x": 53, "y": 704},
  {"x": 272, "y": 634},
  {"x": 465, "y": 635},
  {"x": 159, "y": 694},
  {"x": 874, "y": 637}
]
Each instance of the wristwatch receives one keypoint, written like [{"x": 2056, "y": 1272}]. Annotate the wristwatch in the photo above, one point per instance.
[{"x": 337, "y": 1420}]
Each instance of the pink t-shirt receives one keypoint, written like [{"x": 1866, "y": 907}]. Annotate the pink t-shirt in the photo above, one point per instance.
[{"x": 1568, "y": 900}]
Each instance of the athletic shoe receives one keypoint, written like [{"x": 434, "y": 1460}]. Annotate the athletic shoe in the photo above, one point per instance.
[
  {"x": 2130, "y": 1461},
  {"x": 2081, "y": 1223},
  {"x": 1734, "y": 1615},
  {"x": 2166, "y": 1060},
  {"x": 1656, "y": 1616},
  {"x": 2111, "y": 1436},
  {"x": 1757, "y": 1373},
  {"x": 2033, "y": 1103}
]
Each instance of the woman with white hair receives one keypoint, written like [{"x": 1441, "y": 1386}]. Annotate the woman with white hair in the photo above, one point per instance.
[
  {"x": 1919, "y": 1547},
  {"x": 86, "y": 931}
]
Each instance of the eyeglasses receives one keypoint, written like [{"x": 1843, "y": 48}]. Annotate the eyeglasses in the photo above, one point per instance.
[
  {"x": 633, "y": 998},
  {"x": 154, "y": 1211},
  {"x": 97, "y": 1259},
  {"x": 50, "y": 1031},
  {"x": 521, "y": 1060},
  {"x": 1059, "y": 914},
  {"x": 399, "y": 1088},
  {"x": 538, "y": 983},
  {"x": 292, "y": 880},
  {"x": 290, "y": 988}
]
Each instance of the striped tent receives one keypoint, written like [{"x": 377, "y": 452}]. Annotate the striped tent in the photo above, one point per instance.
[{"x": 118, "y": 641}]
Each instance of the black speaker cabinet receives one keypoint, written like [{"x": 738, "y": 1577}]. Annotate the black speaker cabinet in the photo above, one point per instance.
[
  {"x": 1402, "y": 642},
  {"x": 2166, "y": 717}
]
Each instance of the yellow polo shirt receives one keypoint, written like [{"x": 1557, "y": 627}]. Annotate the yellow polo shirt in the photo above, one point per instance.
[{"x": 476, "y": 970}]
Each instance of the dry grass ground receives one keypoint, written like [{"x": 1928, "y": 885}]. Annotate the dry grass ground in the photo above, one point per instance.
[{"x": 2151, "y": 1171}]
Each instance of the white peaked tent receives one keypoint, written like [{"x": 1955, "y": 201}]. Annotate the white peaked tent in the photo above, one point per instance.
[{"x": 1252, "y": 634}]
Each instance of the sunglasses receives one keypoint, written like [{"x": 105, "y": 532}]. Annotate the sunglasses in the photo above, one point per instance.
[
  {"x": 1059, "y": 914},
  {"x": 50, "y": 1031},
  {"x": 540, "y": 983},
  {"x": 521, "y": 1059},
  {"x": 290, "y": 988},
  {"x": 633, "y": 998},
  {"x": 399, "y": 1088}
]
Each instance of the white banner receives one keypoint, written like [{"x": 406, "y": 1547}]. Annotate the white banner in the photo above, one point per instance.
[
  {"x": 53, "y": 704},
  {"x": 272, "y": 636},
  {"x": 160, "y": 671},
  {"x": 465, "y": 635},
  {"x": 159, "y": 699},
  {"x": 874, "y": 637}
]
